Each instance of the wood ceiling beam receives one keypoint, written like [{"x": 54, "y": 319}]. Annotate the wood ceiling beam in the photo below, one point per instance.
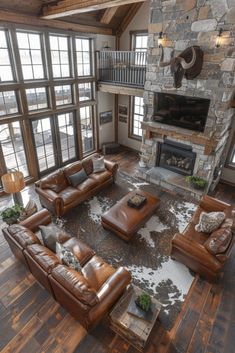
[
  {"x": 128, "y": 18},
  {"x": 72, "y": 7},
  {"x": 109, "y": 15},
  {"x": 13, "y": 17}
]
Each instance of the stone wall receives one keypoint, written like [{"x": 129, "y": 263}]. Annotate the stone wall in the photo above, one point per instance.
[{"x": 195, "y": 22}]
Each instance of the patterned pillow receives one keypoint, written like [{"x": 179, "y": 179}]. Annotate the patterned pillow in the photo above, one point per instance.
[
  {"x": 209, "y": 222},
  {"x": 67, "y": 257},
  {"x": 98, "y": 165},
  {"x": 52, "y": 234}
]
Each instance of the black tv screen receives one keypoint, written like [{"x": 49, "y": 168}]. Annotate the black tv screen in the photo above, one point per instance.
[{"x": 186, "y": 112}]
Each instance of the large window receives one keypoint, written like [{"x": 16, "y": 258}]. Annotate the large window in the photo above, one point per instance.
[
  {"x": 48, "y": 95},
  {"x": 5, "y": 64},
  {"x": 140, "y": 46},
  {"x": 29, "y": 45},
  {"x": 83, "y": 50},
  {"x": 12, "y": 148},
  {"x": 137, "y": 116}
]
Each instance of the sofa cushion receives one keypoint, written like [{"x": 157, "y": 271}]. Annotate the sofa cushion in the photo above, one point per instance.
[
  {"x": 55, "y": 181},
  {"x": 87, "y": 185},
  {"x": 101, "y": 177},
  {"x": 96, "y": 272},
  {"x": 82, "y": 252},
  {"x": 78, "y": 178},
  {"x": 88, "y": 165},
  {"x": 72, "y": 168},
  {"x": 52, "y": 234},
  {"x": 69, "y": 195},
  {"x": 209, "y": 222},
  {"x": 98, "y": 164},
  {"x": 68, "y": 258},
  {"x": 44, "y": 257},
  {"x": 76, "y": 284},
  {"x": 22, "y": 235},
  {"x": 219, "y": 241}
]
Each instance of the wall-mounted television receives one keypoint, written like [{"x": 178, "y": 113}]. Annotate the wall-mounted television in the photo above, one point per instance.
[{"x": 186, "y": 112}]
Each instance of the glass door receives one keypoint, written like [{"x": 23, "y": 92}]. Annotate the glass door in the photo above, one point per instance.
[
  {"x": 44, "y": 143},
  {"x": 65, "y": 123},
  {"x": 55, "y": 141}
]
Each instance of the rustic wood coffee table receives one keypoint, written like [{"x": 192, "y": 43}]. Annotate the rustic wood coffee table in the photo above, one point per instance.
[
  {"x": 124, "y": 220},
  {"x": 134, "y": 330}
]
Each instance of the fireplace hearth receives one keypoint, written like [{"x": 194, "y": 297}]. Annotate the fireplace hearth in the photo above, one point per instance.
[{"x": 176, "y": 157}]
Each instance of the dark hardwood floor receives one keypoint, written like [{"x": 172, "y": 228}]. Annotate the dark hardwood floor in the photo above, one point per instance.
[{"x": 31, "y": 321}]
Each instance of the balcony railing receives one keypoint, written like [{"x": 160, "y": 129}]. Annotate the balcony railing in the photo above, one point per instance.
[{"x": 122, "y": 67}]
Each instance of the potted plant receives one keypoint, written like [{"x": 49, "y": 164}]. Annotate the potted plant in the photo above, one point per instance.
[
  {"x": 144, "y": 302},
  {"x": 197, "y": 182},
  {"x": 11, "y": 214}
]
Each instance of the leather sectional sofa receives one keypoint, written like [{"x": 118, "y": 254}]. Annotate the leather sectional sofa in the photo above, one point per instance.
[
  {"x": 189, "y": 248},
  {"x": 58, "y": 195},
  {"x": 87, "y": 295}
]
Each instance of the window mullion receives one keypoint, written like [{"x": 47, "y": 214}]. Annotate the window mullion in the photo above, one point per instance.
[{"x": 51, "y": 99}]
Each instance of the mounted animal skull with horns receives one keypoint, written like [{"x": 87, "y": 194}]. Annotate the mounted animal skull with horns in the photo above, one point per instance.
[{"x": 188, "y": 64}]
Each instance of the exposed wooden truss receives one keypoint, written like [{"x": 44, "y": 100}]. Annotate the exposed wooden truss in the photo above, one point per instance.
[
  {"x": 109, "y": 15},
  {"x": 14, "y": 17},
  {"x": 72, "y": 7},
  {"x": 128, "y": 18}
]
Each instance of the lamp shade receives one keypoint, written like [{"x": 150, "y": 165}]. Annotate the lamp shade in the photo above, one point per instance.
[{"x": 13, "y": 182}]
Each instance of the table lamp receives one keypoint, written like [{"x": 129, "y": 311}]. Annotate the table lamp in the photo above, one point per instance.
[{"x": 13, "y": 183}]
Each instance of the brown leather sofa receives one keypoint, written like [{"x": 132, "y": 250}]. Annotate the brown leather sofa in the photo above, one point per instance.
[
  {"x": 87, "y": 295},
  {"x": 59, "y": 196},
  {"x": 189, "y": 248}
]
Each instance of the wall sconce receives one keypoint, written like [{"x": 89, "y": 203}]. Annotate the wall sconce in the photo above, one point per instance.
[
  {"x": 218, "y": 38},
  {"x": 160, "y": 39}
]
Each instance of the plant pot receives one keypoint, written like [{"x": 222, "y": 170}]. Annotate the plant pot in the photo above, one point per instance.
[
  {"x": 197, "y": 187},
  {"x": 11, "y": 220}
]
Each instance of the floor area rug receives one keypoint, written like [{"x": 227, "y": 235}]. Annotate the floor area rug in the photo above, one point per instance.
[{"x": 146, "y": 256}]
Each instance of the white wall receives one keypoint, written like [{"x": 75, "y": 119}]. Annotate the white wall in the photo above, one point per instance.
[
  {"x": 105, "y": 101},
  {"x": 228, "y": 174},
  {"x": 139, "y": 22}
]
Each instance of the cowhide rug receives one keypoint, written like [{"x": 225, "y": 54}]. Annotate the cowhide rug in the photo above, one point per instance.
[{"x": 146, "y": 256}]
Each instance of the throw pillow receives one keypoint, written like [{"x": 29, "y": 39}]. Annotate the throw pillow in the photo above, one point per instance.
[
  {"x": 67, "y": 257},
  {"x": 218, "y": 241},
  {"x": 98, "y": 165},
  {"x": 209, "y": 222},
  {"x": 52, "y": 234},
  {"x": 78, "y": 178}
]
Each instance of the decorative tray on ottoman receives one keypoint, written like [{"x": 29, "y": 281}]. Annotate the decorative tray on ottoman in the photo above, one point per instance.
[{"x": 137, "y": 201}]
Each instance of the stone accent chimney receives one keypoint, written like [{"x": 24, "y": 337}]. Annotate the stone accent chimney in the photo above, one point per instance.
[{"x": 186, "y": 23}]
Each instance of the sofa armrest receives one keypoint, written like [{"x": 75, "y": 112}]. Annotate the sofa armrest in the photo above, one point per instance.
[
  {"x": 196, "y": 251},
  {"x": 109, "y": 293},
  {"x": 111, "y": 166},
  {"x": 50, "y": 200},
  {"x": 42, "y": 217},
  {"x": 211, "y": 204}
]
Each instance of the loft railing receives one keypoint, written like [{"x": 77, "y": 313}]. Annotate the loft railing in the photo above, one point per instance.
[{"x": 122, "y": 67}]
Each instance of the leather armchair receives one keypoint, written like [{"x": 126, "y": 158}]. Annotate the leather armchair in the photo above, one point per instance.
[
  {"x": 59, "y": 196},
  {"x": 189, "y": 248},
  {"x": 87, "y": 295}
]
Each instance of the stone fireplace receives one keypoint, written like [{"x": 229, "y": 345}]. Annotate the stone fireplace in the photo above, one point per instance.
[{"x": 186, "y": 23}]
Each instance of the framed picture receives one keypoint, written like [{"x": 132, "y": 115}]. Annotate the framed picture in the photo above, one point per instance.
[
  {"x": 123, "y": 118},
  {"x": 122, "y": 110},
  {"x": 106, "y": 117}
]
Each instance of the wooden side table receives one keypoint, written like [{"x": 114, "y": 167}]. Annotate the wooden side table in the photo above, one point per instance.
[{"x": 134, "y": 330}]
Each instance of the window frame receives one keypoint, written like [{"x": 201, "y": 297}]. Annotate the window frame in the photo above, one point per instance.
[
  {"x": 231, "y": 154},
  {"x": 19, "y": 85},
  {"x": 131, "y": 120}
]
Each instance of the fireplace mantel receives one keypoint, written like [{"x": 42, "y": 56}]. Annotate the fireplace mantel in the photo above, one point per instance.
[{"x": 155, "y": 130}]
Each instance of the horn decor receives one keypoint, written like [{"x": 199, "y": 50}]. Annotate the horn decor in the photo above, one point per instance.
[{"x": 188, "y": 64}]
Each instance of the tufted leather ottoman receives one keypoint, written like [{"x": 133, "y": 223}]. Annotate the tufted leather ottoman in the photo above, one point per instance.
[{"x": 124, "y": 220}]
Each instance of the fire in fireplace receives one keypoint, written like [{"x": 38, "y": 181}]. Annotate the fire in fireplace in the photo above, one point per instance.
[{"x": 176, "y": 157}]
